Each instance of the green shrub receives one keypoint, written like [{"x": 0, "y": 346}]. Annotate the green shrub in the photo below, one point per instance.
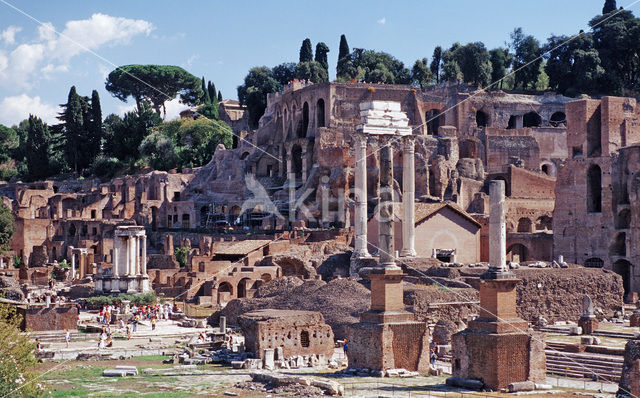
[{"x": 97, "y": 302}]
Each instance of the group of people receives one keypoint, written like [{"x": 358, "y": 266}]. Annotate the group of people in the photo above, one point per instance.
[
  {"x": 42, "y": 298},
  {"x": 105, "y": 340}
]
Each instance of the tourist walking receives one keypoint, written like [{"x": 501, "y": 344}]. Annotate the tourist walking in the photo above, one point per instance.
[{"x": 67, "y": 337}]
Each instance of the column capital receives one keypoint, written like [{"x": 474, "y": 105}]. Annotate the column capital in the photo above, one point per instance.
[{"x": 409, "y": 143}]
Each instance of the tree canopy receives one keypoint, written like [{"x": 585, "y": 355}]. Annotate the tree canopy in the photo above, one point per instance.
[
  {"x": 124, "y": 135},
  {"x": 526, "y": 60},
  {"x": 421, "y": 75},
  {"x": 185, "y": 143},
  {"x": 253, "y": 93},
  {"x": 155, "y": 84}
]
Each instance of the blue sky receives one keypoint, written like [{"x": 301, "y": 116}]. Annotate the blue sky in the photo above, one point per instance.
[{"x": 223, "y": 40}]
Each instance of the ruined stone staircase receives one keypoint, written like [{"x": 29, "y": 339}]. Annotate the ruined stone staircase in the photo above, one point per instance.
[{"x": 584, "y": 365}]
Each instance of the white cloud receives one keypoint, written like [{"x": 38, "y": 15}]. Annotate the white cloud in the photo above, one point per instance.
[
  {"x": 126, "y": 107},
  {"x": 9, "y": 35},
  {"x": 49, "y": 69},
  {"x": 382, "y": 20},
  {"x": 191, "y": 60},
  {"x": 104, "y": 70},
  {"x": 100, "y": 29},
  {"x": 17, "y": 108},
  {"x": 174, "y": 107},
  {"x": 51, "y": 52}
]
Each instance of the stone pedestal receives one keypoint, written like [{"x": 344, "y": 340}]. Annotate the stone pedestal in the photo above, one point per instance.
[
  {"x": 387, "y": 336},
  {"x": 634, "y": 387},
  {"x": 497, "y": 348},
  {"x": 631, "y": 356},
  {"x": 588, "y": 323},
  {"x": 114, "y": 285},
  {"x": 634, "y": 320}
]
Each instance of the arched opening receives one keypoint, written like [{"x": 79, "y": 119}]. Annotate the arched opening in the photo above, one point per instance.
[
  {"x": 203, "y": 215},
  {"x": 594, "y": 189},
  {"x": 320, "y": 112},
  {"x": 304, "y": 338},
  {"x": 544, "y": 223},
  {"x": 623, "y": 220},
  {"x": 558, "y": 119},
  {"x": 54, "y": 254},
  {"x": 243, "y": 287},
  {"x": 482, "y": 120},
  {"x": 296, "y": 157},
  {"x": 432, "y": 118},
  {"x": 225, "y": 290},
  {"x": 266, "y": 278},
  {"x": 619, "y": 245},
  {"x": 623, "y": 268},
  {"x": 594, "y": 262},
  {"x": 244, "y": 155},
  {"x": 512, "y": 122},
  {"x": 548, "y": 168},
  {"x": 305, "y": 120},
  {"x": 517, "y": 253},
  {"x": 531, "y": 119},
  {"x": 594, "y": 135},
  {"x": 292, "y": 126},
  {"x": 72, "y": 230},
  {"x": 524, "y": 225},
  {"x": 154, "y": 218}
]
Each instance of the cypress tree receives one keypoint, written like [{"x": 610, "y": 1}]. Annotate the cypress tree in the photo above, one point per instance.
[
  {"x": 37, "y": 148},
  {"x": 609, "y": 5},
  {"x": 205, "y": 93},
  {"x": 306, "y": 51},
  {"x": 342, "y": 68},
  {"x": 435, "y": 63},
  {"x": 321, "y": 55},
  {"x": 211, "y": 88},
  {"x": 73, "y": 120},
  {"x": 219, "y": 96},
  {"x": 344, "y": 48},
  {"x": 95, "y": 131}
]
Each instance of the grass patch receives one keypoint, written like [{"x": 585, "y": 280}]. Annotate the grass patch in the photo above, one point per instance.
[
  {"x": 69, "y": 393},
  {"x": 152, "y": 358},
  {"x": 76, "y": 372}
]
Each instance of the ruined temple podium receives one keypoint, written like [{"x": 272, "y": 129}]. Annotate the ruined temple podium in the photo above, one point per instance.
[
  {"x": 387, "y": 336},
  {"x": 498, "y": 348}
]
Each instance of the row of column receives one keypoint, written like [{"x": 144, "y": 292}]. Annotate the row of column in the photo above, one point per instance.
[
  {"x": 386, "y": 223},
  {"x": 135, "y": 259}
]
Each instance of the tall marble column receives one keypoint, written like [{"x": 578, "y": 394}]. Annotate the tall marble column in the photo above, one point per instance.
[
  {"x": 292, "y": 194},
  {"x": 114, "y": 260},
  {"x": 138, "y": 260},
  {"x": 304, "y": 166},
  {"x": 360, "y": 185},
  {"x": 386, "y": 216},
  {"x": 73, "y": 266},
  {"x": 408, "y": 198},
  {"x": 129, "y": 256},
  {"x": 143, "y": 269},
  {"x": 497, "y": 228}
]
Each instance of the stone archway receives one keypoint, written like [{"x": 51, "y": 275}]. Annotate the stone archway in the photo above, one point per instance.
[
  {"x": 623, "y": 268},
  {"x": 517, "y": 253}
]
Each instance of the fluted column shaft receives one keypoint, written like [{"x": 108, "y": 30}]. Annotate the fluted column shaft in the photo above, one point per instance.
[{"x": 408, "y": 199}]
